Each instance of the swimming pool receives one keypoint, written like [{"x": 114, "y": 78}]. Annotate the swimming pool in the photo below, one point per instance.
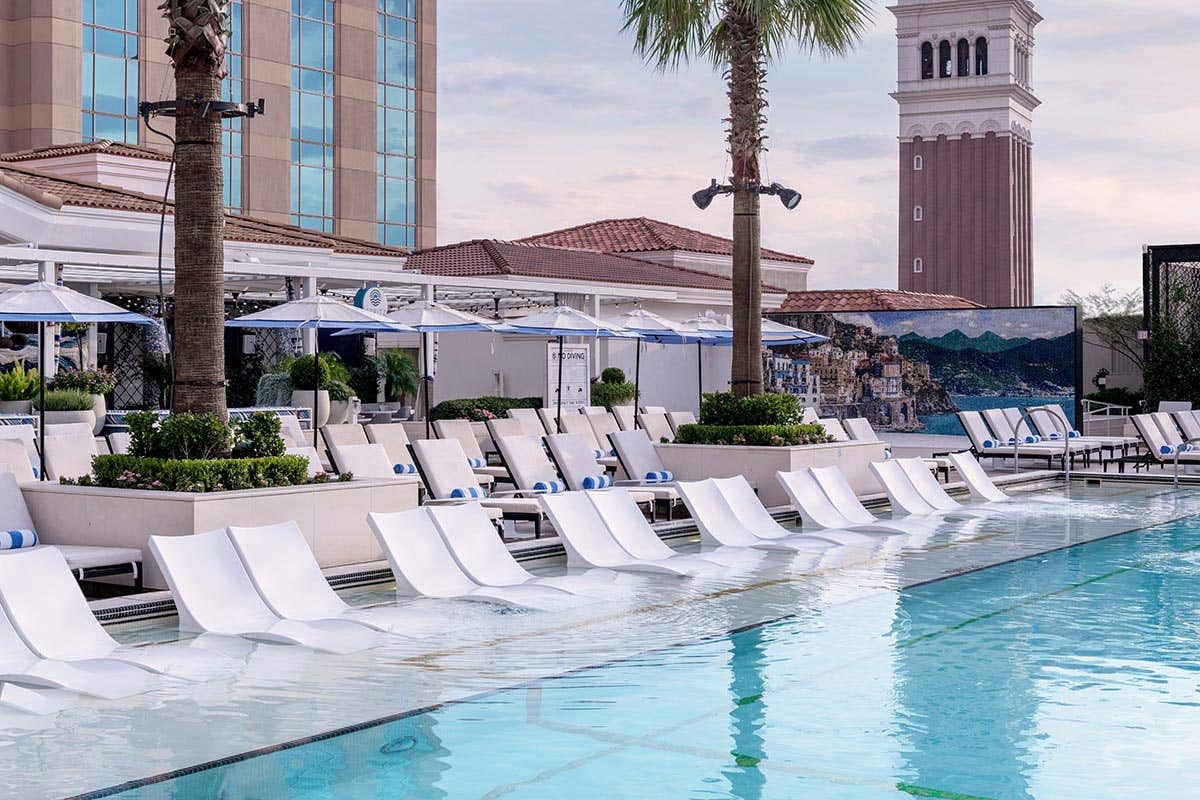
[{"x": 1066, "y": 674}]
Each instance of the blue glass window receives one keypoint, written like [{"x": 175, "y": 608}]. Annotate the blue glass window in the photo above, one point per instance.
[
  {"x": 231, "y": 129},
  {"x": 110, "y": 70},
  {"x": 395, "y": 122},
  {"x": 312, "y": 128}
]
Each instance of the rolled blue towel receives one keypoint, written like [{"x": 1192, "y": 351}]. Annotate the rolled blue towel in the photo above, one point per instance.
[
  {"x": 598, "y": 453},
  {"x": 597, "y": 482},
  {"x": 1073, "y": 434},
  {"x": 476, "y": 463},
  {"x": 550, "y": 487},
  {"x": 16, "y": 539},
  {"x": 990, "y": 443},
  {"x": 468, "y": 493},
  {"x": 404, "y": 469},
  {"x": 659, "y": 476}
]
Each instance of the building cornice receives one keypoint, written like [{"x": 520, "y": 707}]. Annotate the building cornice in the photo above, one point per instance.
[
  {"x": 1024, "y": 7},
  {"x": 1026, "y": 97}
]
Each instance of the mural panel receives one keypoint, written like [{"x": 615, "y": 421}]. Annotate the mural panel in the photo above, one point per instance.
[{"x": 912, "y": 370}]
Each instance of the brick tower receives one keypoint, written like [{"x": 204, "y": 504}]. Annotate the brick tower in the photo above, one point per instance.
[{"x": 966, "y": 116}]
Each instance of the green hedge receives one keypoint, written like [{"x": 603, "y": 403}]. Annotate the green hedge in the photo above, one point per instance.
[
  {"x": 723, "y": 408},
  {"x": 195, "y": 475},
  {"x": 479, "y": 409},
  {"x": 756, "y": 435}
]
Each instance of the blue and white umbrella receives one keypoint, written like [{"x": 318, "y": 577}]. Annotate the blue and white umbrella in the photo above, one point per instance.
[
  {"x": 560, "y": 322},
  {"x": 654, "y": 328},
  {"x": 317, "y": 313},
  {"x": 43, "y": 303}
]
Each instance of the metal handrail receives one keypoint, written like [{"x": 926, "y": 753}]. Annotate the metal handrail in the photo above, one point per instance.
[
  {"x": 1178, "y": 451},
  {"x": 1066, "y": 456}
]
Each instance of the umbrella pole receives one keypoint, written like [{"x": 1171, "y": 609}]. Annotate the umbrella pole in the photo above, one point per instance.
[
  {"x": 637, "y": 380},
  {"x": 316, "y": 383},
  {"x": 560, "y": 359},
  {"x": 699, "y": 377},
  {"x": 425, "y": 381},
  {"x": 42, "y": 401}
]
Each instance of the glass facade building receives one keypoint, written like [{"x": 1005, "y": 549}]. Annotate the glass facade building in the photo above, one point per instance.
[
  {"x": 232, "y": 89},
  {"x": 395, "y": 126},
  {"x": 312, "y": 122},
  {"x": 110, "y": 70}
]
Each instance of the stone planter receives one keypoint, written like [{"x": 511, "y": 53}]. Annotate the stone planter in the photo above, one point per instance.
[
  {"x": 16, "y": 406},
  {"x": 303, "y": 398},
  {"x": 100, "y": 410},
  {"x": 692, "y": 462},
  {"x": 338, "y": 411},
  {"x": 69, "y": 417},
  {"x": 333, "y": 516}
]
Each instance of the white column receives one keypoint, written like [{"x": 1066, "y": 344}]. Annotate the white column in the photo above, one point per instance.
[
  {"x": 93, "y": 340},
  {"x": 308, "y": 337},
  {"x": 429, "y": 294},
  {"x": 599, "y": 346},
  {"x": 47, "y": 347}
]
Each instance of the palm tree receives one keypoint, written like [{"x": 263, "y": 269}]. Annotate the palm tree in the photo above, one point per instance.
[
  {"x": 740, "y": 37},
  {"x": 196, "y": 41}
]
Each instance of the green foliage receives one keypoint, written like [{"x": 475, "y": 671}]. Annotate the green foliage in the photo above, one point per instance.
[
  {"x": 479, "y": 409},
  {"x": 158, "y": 374},
  {"x": 722, "y": 408},
  {"x": 612, "y": 394},
  {"x": 400, "y": 369},
  {"x": 754, "y": 435},
  {"x": 340, "y": 391},
  {"x": 257, "y": 436},
  {"x": 332, "y": 370},
  {"x": 1120, "y": 396},
  {"x": 612, "y": 375},
  {"x": 1173, "y": 371},
  {"x": 19, "y": 383},
  {"x": 88, "y": 381},
  {"x": 177, "y": 436},
  {"x": 65, "y": 400},
  {"x": 191, "y": 475},
  {"x": 364, "y": 378},
  {"x": 274, "y": 389},
  {"x": 243, "y": 372}
]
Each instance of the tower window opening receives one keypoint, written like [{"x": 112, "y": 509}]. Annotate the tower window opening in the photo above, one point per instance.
[
  {"x": 964, "y": 58},
  {"x": 944, "y": 60},
  {"x": 918, "y": 163},
  {"x": 926, "y": 61},
  {"x": 918, "y": 265},
  {"x": 981, "y": 56},
  {"x": 918, "y": 214}
]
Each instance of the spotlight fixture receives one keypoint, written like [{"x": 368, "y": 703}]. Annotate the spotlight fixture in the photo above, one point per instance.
[{"x": 703, "y": 198}]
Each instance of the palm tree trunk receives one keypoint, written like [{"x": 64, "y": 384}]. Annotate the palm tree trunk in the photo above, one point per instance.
[
  {"x": 199, "y": 350},
  {"x": 746, "y": 104}
]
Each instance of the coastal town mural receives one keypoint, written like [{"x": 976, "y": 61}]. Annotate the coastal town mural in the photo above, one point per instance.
[{"x": 912, "y": 370}]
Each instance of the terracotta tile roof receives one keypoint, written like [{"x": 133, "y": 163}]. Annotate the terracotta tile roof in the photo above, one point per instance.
[
  {"x": 492, "y": 257},
  {"x": 79, "y": 148},
  {"x": 55, "y": 191},
  {"x": 642, "y": 235},
  {"x": 871, "y": 300}
]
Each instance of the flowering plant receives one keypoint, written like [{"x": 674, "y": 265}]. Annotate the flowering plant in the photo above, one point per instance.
[{"x": 90, "y": 381}]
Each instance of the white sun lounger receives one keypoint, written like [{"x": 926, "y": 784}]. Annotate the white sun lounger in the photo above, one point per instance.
[
  {"x": 26, "y": 435},
  {"x": 395, "y": 443},
  {"x": 680, "y": 418},
  {"x": 549, "y": 418},
  {"x": 528, "y": 464},
  {"x": 719, "y": 524},
  {"x": 753, "y": 515},
  {"x": 624, "y": 415},
  {"x": 292, "y": 433},
  {"x": 588, "y": 542},
  {"x": 69, "y": 455},
  {"x": 977, "y": 481},
  {"x": 826, "y": 501},
  {"x": 1159, "y": 448},
  {"x": 461, "y": 430},
  {"x": 656, "y": 426},
  {"x": 423, "y": 567},
  {"x": 1050, "y": 422},
  {"x": 472, "y": 541},
  {"x": 625, "y": 523},
  {"x": 213, "y": 594},
  {"x": 577, "y": 463},
  {"x": 444, "y": 467},
  {"x": 286, "y": 574},
  {"x": 904, "y": 497},
  {"x": 578, "y": 425},
  {"x": 44, "y": 604},
  {"x": 364, "y": 461},
  {"x": 119, "y": 441},
  {"x": 531, "y": 423},
  {"x": 841, "y": 494},
  {"x": 603, "y": 426},
  {"x": 99, "y": 678},
  {"x": 14, "y": 458},
  {"x": 928, "y": 488},
  {"x": 833, "y": 427},
  {"x": 309, "y": 454},
  {"x": 639, "y": 460},
  {"x": 335, "y": 436}
]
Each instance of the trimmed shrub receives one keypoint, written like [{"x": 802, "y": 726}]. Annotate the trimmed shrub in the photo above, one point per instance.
[
  {"x": 612, "y": 389},
  {"x": 65, "y": 400},
  {"x": 196, "y": 475},
  {"x": 257, "y": 436},
  {"x": 723, "y": 408},
  {"x": 479, "y": 409},
  {"x": 754, "y": 435},
  {"x": 177, "y": 436},
  {"x": 612, "y": 375}
]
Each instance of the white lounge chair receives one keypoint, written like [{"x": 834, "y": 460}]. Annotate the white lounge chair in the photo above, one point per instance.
[
  {"x": 449, "y": 478},
  {"x": 589, "y": 543},
  {"x": 512, "y": 426},
  {"x": 928, "y": 488},
  {"x": 292, "y": 433},
  {"x": 719, "y": 524},
  {"x": 367, "y": 461},
  {"x": 656, "y": 426},
  {"x": 26, "y": 435},
  {"x": 99, "y": 678},
  {"x": 680, "y": 418},
  {"x": 531, "y": 423},
  {"x": 998, "y": 419},
  {"x": 214, "y": 594},
  {"x": 309, "y": 454},
  {"x": 602, "y": 451},
  {"x": 640, "y": 461},
  {"x": 833, "y": 427},
  {"x": 753, "y": 515},
  {"x": 461, "y": 430},
  {"x": 43, "y": 602},
  {"x": 810, "y": 416},
  {"x": 835, "y": 486},
  {"x": 654, "y": 409},
  {"x": 549, "y": 418},
  {"x": 1050, "y": 420},
  {"x": 118, "y": 442},
  {"x": 423, "y": 567},
  {"x": 985, "y": 444},
  {"x": 582, "y": 471},
  {"x": 472, "y": 541},
  {"x": 624, "y": 415},
  {"x": 1159, "y": 451},
  {"x": 1188, "y": 424},
  {"x": 1168, "y": 428},
  {"x": 904, "y": 497},
  {"x": 286, "y": 574},
  {"x": 1174, "y": 405},
  {"x": 69, "y": 455},
  {"x": 14, "y": 458},
  {"x": 531, "y": 470},
  {"x": 603, "y": 426},
  {"x": 394, "y": 440}
]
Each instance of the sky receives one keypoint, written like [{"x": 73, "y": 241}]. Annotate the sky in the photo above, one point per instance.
[
  {"x": 547, "y": 118},
  {"x": 1005, "y": 322}
]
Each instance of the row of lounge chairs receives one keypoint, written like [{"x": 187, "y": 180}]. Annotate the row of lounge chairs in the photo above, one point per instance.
[
  {"x": 1005, "y": 433},
  {"x": 1170, "y": 437}
]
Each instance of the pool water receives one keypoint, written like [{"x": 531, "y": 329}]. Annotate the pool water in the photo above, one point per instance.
[{"x": 1070, "y": 674}]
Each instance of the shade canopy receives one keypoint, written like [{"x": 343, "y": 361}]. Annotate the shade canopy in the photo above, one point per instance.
[
  {"x": 318, "y": 312},
  {"x": 425, "y": 316},
  {"x": 710, "y": 324},
  {"x": 565, "y": 321},
  {"x": 654, "y": 328},
  {"x": 49, "y": 302},
  {"x": 776, "y": 333}
]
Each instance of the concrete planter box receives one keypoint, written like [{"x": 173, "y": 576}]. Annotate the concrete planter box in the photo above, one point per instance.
[
  {"x": 759, "y": 464},
  {"x": 332, "y": 516}
]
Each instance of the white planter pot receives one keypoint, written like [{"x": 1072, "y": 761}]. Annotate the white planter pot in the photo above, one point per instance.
[
  {"x": 69, "y": 417},
  {"x": 338, "y": 411},
  {"x": 16, "y": 406},
  {"x": 304, "y": 399},
  {"x": 100, "y": 410}
]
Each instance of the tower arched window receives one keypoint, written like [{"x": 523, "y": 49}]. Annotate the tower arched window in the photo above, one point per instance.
[
  {"x": 964, "y": 58},
  {"x": 918, "y": 214},
  {"x": 918, "y": 265},
  {"x": 944, "y": 59},
  {"x": 918, "y": 163},
  {"x": 926, "y": 61},
  {"x": 981, "y": 56}
]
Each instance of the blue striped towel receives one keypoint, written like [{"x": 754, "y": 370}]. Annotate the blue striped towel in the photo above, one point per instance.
[
  {"x": 14, "y": 540},
  {"x": 468, "y": 492},
  {"x": 597, "y": 482},
  {"x": 659, "y": 476},
  {"x": 476, "y": 463},
  {"x": 550, "y": 487},
  {"x": 404, "y": 469},
  {"x": 598, "y": 453}
]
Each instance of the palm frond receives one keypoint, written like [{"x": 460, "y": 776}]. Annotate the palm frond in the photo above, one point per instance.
[
  {"x": 668, "y": 32},
  {"x": 830, "y": 27}
]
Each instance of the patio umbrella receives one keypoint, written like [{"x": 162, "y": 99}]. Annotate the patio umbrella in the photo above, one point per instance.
[
  {"x": 43, "y": 302},
  {"x": 425, "y": 316},
  {"x": 718, "y": 333},
  {"x": 562, "y": 321},
  {"x": 316, "y": 313},
  {"x": 653, "y": 328}
]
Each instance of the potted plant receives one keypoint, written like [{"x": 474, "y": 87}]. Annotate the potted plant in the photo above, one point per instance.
[
  {"x": 64, "y": 406},
  {"x": 612, "y": 389},
  {"x": 17, "y": 389},
  {"x": 340, "y": 401},
  {"x": 303, "y": 372},
  {"x": 96, "y": 383}
]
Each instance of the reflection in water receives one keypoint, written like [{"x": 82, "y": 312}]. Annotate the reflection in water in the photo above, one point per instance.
[{"x": 747, "y": 659}]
